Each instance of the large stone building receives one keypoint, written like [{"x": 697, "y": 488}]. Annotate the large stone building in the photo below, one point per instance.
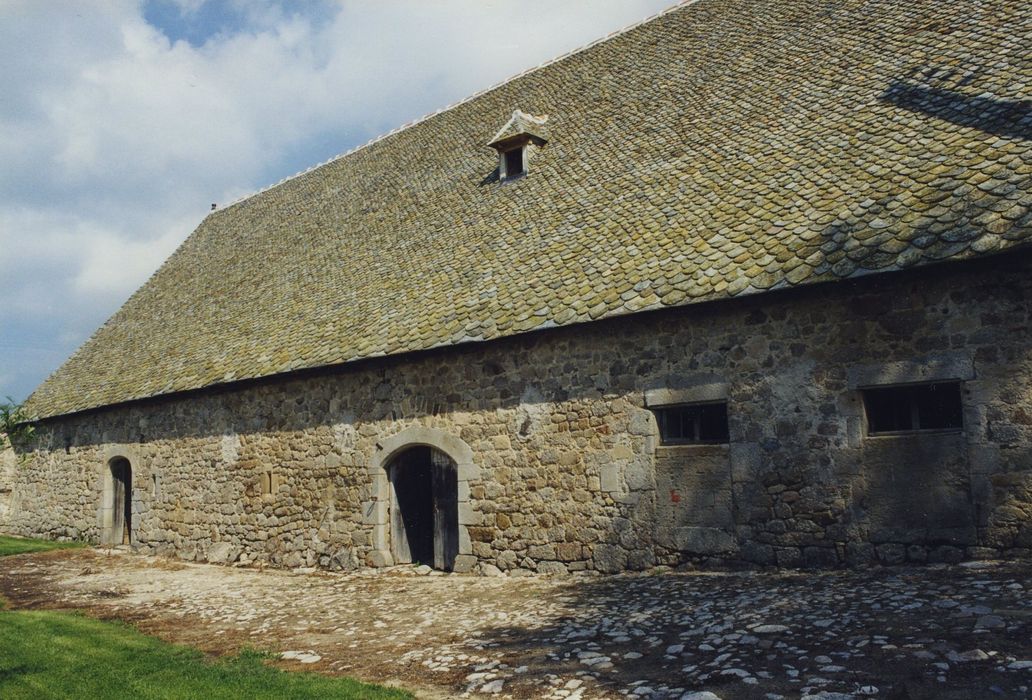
[{"x": 747, "y": 282}]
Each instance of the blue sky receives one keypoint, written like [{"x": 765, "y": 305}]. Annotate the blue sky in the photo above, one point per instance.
[{"x": 122, "y": 121}]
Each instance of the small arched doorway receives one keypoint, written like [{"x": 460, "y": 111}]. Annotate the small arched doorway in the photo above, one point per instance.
[
  {"x": 424, "y": 514},
  {"x": 122, "y": 500}
]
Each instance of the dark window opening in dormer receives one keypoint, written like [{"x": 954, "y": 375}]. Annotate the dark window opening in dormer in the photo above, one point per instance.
[{"x": 513, "y": 163}]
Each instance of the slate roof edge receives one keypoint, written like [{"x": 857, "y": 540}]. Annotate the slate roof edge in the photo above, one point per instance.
[
  {"x": 751, "y": 294},
  {"x": 479, "y": 93}
]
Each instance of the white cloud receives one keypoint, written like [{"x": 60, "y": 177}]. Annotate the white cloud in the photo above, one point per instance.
[
  {"x": 113, "y": 264},
  {"x": 116, "y": 138}
]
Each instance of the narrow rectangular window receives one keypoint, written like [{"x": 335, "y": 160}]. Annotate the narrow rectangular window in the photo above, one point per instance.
[
  {"x": 513, "y": 163},
  {"x": 688, "y": 424},
  {"x": 915, "y": 407}
]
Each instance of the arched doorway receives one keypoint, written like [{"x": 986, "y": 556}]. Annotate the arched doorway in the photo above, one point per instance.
[
  {"x": 424, "y": 515},
  {"x": 122, "y": 501}
]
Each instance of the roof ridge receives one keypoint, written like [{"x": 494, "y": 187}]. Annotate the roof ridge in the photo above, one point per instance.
[{"x": 429, "y": 115}]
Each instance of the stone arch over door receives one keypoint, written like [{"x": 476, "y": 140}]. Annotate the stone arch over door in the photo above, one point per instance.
[
  {"x": 377, "y": 511},
  {"x": 115, "y": 517},
  {"x": 117, "y": 511}
]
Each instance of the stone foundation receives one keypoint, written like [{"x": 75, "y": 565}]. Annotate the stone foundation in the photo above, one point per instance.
[{"x": 560, "y": 466}]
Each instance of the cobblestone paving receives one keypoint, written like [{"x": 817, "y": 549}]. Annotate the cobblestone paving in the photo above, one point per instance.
[{"x": 934, "y": 632}]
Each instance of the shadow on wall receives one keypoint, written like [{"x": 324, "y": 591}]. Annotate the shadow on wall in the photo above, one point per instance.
[
  {"x": 1009, "y": 521},
  {"x": 924, "y": 90},
  {"x": 914, "y": 495}
]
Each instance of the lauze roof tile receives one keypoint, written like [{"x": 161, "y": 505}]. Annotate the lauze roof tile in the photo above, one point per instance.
[{"x": 724, "y": 148}]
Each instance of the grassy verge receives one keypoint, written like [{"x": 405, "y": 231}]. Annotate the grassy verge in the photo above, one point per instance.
[
  {"x": 19, "y": 545},
  {"x": 61, "y": 655}
]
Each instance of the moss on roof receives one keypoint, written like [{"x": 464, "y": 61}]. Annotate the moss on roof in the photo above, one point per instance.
[{"x": 725, "y": 148}]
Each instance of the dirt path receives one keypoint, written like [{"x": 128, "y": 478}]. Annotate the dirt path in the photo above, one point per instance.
[{"x": 946, "y": 632}]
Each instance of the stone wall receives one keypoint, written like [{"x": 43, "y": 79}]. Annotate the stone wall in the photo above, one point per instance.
[
  {"x": 8, "y": 464},
  {"x": 559, "y": 463}
]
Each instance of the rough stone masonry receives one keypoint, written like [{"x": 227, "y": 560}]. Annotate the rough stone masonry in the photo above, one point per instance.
[{"x": 560, "y": 466}]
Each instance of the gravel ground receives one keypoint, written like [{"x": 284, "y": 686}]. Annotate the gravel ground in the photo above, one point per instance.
[{"x": 932, "y": 632}]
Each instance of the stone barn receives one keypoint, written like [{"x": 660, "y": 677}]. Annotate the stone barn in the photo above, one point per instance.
[{"x": 749, "y": 282}]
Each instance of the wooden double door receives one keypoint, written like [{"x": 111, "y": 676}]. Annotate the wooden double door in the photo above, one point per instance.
[{"x": 424, "y": 514}]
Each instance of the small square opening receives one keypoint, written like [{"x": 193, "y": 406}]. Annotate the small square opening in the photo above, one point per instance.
[
  {"x": 688, "y": 424},
  {"x": 913, "y": 408},
  {"x": 513, "y": 163}
]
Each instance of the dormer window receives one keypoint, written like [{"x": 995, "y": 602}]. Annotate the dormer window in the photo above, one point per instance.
[{"x": 516, "y": 141}]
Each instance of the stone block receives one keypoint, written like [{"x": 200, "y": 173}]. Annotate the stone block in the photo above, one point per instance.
[
  {"x": 980, "y": 553},
  {"x": 568, "y": 551},
  {"x": 640, "y": 559},
  {"x": 554, "y": 568},
  {"x": 542, "y": 551},
  {"x": 854, "y": 431},
  {"x": 609, "y": 558},
  {"x": 374, "y": 513},
  {"x": 953, "y": 535},
  {"x": 222, "y": 553},
  {"x": 642, "y": 422},
  {"x": 481, "y": 534},
  {"x": 917, "y": 553},
  {"x": 380, "y": 558},
  {"x": 609, "y": 476},
  {"x": 757, "y": 553},
  {"x": 745, "y": 461},
  {"x": 703, "y": 540},
  {"x": 896, "y": 534},
  {"x": 946, "y": 554},
  {"x": 891, "y": 554},
  {"x": 464, "y": 563},
  {"x": 486, "y": 569},
  {"x": 468, "y": 515},
  {"x": 379, "y": 537},
  {"x": 788, "y": 557},
  {"x": 819, "y": 557},
  {"x": 934, "y": 368},
  {"x": 696, "y": 393},
  {"x": 638, "y": 476},
  {"x": 621, "y": 453}
]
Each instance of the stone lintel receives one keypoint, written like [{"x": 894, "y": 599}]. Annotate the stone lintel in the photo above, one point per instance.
[
  {"x": 937, "y": 368},
  {"x": 700, "y": 393}
]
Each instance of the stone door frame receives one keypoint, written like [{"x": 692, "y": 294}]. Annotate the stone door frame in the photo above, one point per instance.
[
  {"x": 106, "y": 519},
  {"x": 376, "y": 511}
]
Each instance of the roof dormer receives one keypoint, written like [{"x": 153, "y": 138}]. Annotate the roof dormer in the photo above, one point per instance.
[{"x": 514, "y": 140}]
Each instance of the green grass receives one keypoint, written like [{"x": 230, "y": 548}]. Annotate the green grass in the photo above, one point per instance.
[
  {"x": 18, "y": 545},
  {"x": 62, "y": 655}
]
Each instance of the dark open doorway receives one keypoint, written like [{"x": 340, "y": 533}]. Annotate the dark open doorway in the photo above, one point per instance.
[
  {"x": 424, "y": 508},
  {"x": 122, "y": 515}
]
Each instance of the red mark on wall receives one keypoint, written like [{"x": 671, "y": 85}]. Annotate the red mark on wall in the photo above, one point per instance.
[{"x": 675, "y": 497}]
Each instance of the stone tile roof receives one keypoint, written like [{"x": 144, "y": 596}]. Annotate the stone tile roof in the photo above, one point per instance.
[{"x": 725, "y": 148}]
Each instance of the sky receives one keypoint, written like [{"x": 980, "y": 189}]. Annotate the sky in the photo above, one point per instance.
[{"x": 122, "y": 121}]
